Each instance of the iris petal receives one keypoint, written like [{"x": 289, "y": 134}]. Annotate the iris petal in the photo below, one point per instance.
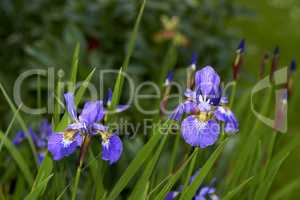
[
  {"x": 92, "y": 112},
  {"x": 112, "y": 149},
  {"x": 207, "y": 80},
  {"x": 70, "y": 103},
  {"x": 59, "y": 147},
  {"x": 199, "y": 133}
]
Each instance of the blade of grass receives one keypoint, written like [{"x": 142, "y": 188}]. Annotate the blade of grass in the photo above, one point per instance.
[
  {"x": 42, "y": 179},
  {"x": 191, "y": 168},
  {"x": 141, "y": 185},
  {"x": 190, "y": 190},
  {"x": 134, "y": 166},
  {"x": 265, "y": 186},
  {"x": 284, "y": 191},
  {"x": 18, "y": 158},
  {"x": 74, "y": 67},
  {"x": 21, "y": 122},
  {"x": 37, "y": 191},
  {"x": 174, "y": 178},
  {"x": 237, "y": 189},
  {"x": 120, "y": 79},
  {"x": 10, "y": 126}
]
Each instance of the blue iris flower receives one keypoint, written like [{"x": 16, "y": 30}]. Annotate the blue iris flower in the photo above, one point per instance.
[
  {"x": 65, "y": 143},
  {"x": 206, "y": 192},
  {"x": 205, "y": 108},
  {"x": 39, "y": 140}
]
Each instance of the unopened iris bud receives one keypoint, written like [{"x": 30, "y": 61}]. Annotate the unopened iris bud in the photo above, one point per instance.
[
  {"x": 238, "y": 59},
  {"x": 169, "y": 78},
  {"x": 275, "y": 61},
  {"x": 193, "y": 62}
]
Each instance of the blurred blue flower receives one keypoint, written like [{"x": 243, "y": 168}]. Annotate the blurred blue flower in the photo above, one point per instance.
[
  {"x": 203, "y": 193},
  {"x": 107, "y": 102},
  {"x": 39, "y": 140},
  {"x": 206, "y": 108},
  {"x": 65, "y": 143}
]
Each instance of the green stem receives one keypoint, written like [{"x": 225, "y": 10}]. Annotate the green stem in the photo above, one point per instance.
[
  {"x": 232, "y": 96},
  {"x": 83, "y": 151}
]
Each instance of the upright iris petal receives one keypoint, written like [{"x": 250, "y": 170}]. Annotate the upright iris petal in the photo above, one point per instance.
[
  {"x": 92, "y": 112},
  {"x": 207, "y": 80},
  {"x": 199, "y": 133},
  {"x": 70, "y": 103},
  {"x": 112, "y": 148}
]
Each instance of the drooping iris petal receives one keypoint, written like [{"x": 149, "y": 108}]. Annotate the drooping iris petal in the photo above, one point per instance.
[
  {"x": 112, "y": 149},
  {"x": 199, "y": 133},
  {"x": 206, "y": 193},
  {"x": 70, "y": 103},
  {"x": 60, "y": 147},
  {"x": 20, "y": 136},
  {"x": 92, "y": 112},
  {"x": 227, "y": 116},
  {"x": 231, "y": 126},
  {"x": 207, "y": 80},
  {"x": 121, "y": 108}
]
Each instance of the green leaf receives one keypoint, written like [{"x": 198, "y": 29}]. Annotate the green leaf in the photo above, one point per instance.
[
  {"x": 74, "y": 68},
  {"x": 18, "y": 158},
  {"x": 21, "y": 122},
  {"x": 285, "y": 190},
  {"x": 134, "y": 166},
  {"x": 44, "y": 172},
  {"x": 34, "y": 194},
  {"x": 174, "y": 178},
  {"x": 237, "y": 189},
  {"x": 191, "y": 190},
  {"x": 120, "y": 79},
  {"x": 79, "y": 94},
  {"x": 266, "y": 184},
  {"x": 141, "y": 185}
]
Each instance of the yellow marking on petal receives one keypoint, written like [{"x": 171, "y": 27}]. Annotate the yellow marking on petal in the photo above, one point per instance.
[{"x": 69, "y": 135}]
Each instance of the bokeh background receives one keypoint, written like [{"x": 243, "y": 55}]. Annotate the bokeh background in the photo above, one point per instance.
[{"x": 43, "y": 34}]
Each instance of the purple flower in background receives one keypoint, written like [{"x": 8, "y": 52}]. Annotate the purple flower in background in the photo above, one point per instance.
[
  {"x": 87, "y": 124},
  {"x": 39, "y": 139},
  {"x": 203, "y": 193},
  {"x": 205, "y": 108},
  {"x": 108, "y": 99}
]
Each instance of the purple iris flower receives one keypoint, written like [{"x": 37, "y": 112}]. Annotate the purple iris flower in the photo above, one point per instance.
[
  {"x": 108, "y": 99},
  {"x": 39, "y": 140},
  {"x": 224, "y": 114},
  {"x": 205, "y": 108},
  {"x": 203, "y": 193},
  {"x": 65, "y": 143}
]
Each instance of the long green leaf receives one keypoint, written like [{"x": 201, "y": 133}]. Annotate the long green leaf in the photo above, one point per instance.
[
  {"x": 175, "y": 177},
  {"x": 18, "y": 158},
  {"x": 37, "y": 191},
  {"x": 191, "y": 190},
  {"x": 21, "y": 122},
  {"x": 120, "y": 79},
  {"x": 141, "y": 185},
  {"x": 44, "y": 172},
  {"x": 134, "y": 166},
  {"x": 237, "y": 190}
]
